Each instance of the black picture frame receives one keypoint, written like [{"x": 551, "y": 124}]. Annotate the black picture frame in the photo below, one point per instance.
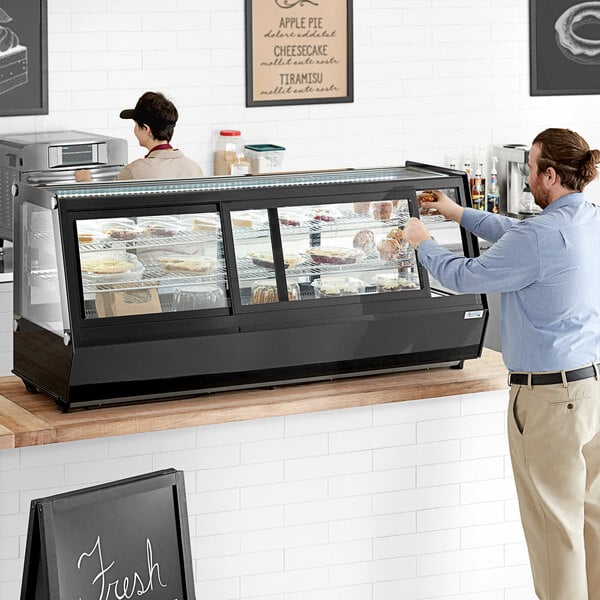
[
  {"x": 69, "y": 534},
  {"x": 282, "y": 80},
  {"x": 24, "y": 62},
  {"x": 564, "y": 49}
]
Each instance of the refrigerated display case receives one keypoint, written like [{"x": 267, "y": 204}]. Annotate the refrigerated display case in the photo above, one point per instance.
[{"x": 147, "y": 290}]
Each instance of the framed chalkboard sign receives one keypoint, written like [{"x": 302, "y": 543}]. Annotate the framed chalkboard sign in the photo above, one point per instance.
[
  {"x": 564, "y": 47},
  {"x": 23, "y": 57},
  {"x": 299, "y": 52},
  {"x": 126, "y": 539}
]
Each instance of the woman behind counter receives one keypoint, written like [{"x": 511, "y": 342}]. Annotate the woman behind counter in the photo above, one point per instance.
[{"x": 155, "y": 117}]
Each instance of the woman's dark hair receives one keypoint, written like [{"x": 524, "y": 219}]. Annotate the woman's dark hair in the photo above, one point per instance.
[
  {"x": 159, "y": 113},
  {"x": 569, "y": 155}
]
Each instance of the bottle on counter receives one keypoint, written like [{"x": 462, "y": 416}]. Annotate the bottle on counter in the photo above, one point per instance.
[
  {"x": 493, "y": 193},
  {"x": 468, "y": 169},
  {"x": 478, "y": 188},
  {"x": 229, "y": 154}
]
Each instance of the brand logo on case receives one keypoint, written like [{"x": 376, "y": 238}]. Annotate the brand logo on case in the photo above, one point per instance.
[{"x": 474, "y": 314}]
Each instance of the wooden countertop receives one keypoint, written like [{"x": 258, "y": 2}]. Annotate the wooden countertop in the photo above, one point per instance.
[{"x": 33, "y": 419}]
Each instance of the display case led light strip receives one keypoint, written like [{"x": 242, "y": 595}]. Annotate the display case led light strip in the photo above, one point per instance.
[{"x": 242, "y": 183}]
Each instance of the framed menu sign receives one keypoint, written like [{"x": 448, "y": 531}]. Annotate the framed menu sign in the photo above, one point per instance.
[
  {"x": 298, "y": 52},
  {"x": 121, "y": 540}
]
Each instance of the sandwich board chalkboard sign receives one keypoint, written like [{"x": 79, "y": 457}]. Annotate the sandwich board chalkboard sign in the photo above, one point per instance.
[{"x": 120, "y": 540}]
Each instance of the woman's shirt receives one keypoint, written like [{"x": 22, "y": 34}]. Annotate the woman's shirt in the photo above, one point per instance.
[{"x": 161, "y": 164}]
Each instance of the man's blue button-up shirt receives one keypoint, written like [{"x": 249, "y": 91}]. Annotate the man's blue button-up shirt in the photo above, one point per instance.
[{"x": 547, "y": 270}]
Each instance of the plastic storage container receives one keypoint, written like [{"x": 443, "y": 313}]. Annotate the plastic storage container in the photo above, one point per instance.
[
  {"x": 111, "y": 267},
  {"x": 338, "y": 286},
  {"x": 264, "y": 158},
  {"x": 194, "y": 297},
  {"x": 392, "y": 282},
  {"x": 229, "y": 154},
  {"x": 265, "y": 292}
]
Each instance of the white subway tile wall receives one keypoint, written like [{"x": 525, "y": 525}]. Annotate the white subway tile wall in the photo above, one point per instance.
[
  {"x": 344, "y": 504},
  {"x": 395, "y": 502},
  {"x": 433, "y": 79}
]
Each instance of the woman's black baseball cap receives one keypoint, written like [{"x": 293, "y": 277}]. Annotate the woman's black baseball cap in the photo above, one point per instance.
[{"x": 154, "y": 110}]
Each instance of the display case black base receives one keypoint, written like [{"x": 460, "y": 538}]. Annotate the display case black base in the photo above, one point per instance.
[{"x": 109, "y": 386}]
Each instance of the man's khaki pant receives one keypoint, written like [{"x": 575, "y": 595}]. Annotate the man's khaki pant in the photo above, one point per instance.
[{"x": 554, "y": 438}]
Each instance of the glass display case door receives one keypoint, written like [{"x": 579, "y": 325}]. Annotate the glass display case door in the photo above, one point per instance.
[
  {"x": 148, "y": 264},
  {"x": 347, "y": 251}
]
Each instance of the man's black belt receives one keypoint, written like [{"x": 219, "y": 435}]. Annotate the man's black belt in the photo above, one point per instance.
[{"x": 550, "y": 378}]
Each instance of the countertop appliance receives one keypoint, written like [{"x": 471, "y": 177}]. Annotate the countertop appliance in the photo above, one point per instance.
[
  {"x": 516, "y": 200},
  {"x": 53, "y": 157},
  {"x": 129, "y": 291}
]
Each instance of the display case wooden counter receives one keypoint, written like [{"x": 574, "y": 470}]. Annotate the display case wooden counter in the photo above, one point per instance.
[{"x": 33, "y": 419}]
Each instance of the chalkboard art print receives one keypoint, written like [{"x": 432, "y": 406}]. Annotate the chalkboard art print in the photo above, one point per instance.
[
  {"x": 564, "y": 47},
  {"x": 23, "y": 58}
]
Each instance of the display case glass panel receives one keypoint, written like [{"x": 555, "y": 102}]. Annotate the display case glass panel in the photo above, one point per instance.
[
  {"x": 446, "y": 233},
  {"x": 40, "y": 298},
  {"x": 151, "y": 264},
  {"x": 348, "y": 249},
  {"x": 255, "y": 259}
]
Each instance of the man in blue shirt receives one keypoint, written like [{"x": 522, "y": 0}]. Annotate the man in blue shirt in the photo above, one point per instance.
[{"x": 547, "y": 270}]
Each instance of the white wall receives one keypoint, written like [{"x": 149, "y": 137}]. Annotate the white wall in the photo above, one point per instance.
[
  {"x": 395, "y": 502},
  {"x": 405, "y": 501},
  {"x": 433, "y": 78}
]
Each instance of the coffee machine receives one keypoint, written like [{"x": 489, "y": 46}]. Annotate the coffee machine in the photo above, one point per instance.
[{"x": 516, "y": 199}]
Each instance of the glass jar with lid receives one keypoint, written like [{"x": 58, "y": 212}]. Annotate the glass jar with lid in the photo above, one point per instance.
[{"x": 229, "y": 154}]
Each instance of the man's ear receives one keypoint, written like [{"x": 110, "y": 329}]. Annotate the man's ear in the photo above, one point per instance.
[{"x": 552, "y": 175}]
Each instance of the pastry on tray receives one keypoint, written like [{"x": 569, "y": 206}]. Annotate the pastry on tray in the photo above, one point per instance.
[
  {"x": 265, "y": 259},
  {"x": 382, "y": 210},
  {"x": 290, "y": 221},
  {"x": 120, "y": 234},
  {"x": 364, "y": 240},
  {"x": 265, "y": 293},
  {"x": 158, "y": 230},
  {"x": 204, "y": 224},
  {"x": 398, "y": 234},
  {"x": 201, "y": 265},
  {"x": 335, "y": 256},
  {"x": 107, "y": 267},
  {"x": 119, "y": 229},
  {"x": 339, "y": 286},
  {"x": 389, "y": 249},
  {"x": 426, "y": 196},
  {"x": 361, "y": 208},
  {"x": 391, "y": 282},
  {"x": 85, "y": 238},
  {"x": 90, "y": 237},
  {"x": 324, "y": 214},
  {"x": 243, "y": 220},
  {"x": 291, "y": 217}
]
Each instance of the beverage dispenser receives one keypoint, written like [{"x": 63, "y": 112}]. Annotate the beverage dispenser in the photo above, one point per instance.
[{"x": 516, "y": 199}]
